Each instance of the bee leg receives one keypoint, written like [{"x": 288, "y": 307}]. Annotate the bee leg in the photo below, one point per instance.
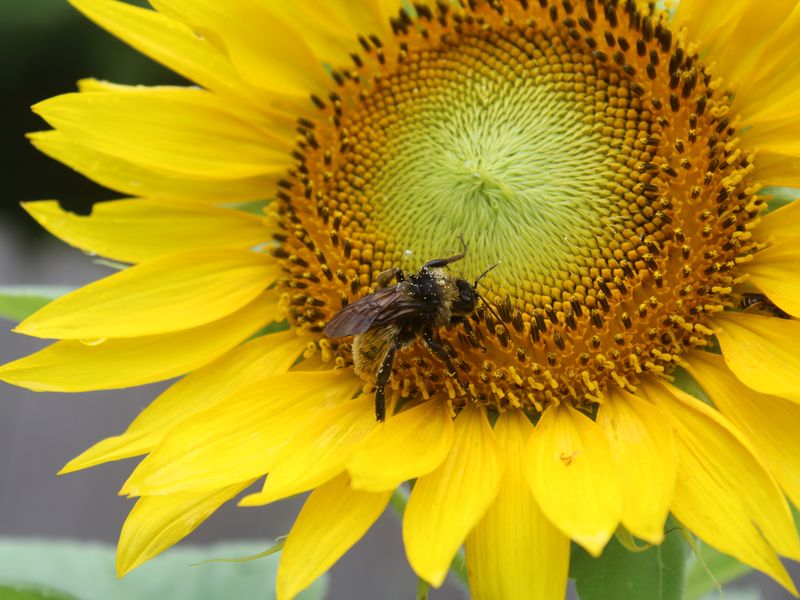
[
  {"x": 443, "y": 262},
  {"x": 385, "y": 277},
  {"x": 381, "y": 379},
  {"x": 435, "y": 346}
]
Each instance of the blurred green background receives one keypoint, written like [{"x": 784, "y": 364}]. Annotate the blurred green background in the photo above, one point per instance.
[{"x": 47, "y": 46}]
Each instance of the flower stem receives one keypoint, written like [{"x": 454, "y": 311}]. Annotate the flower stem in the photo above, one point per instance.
[
  {"x": 399, "y": 500},
  {"x": 422, "y": 589}
]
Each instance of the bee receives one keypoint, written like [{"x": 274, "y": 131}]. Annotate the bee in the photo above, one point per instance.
[
  {"x": 763, "y": 304},
  {"x": 393, "y": 316}
]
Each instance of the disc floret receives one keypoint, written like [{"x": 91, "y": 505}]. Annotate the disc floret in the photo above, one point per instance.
[{"x": 583, "y": 146}]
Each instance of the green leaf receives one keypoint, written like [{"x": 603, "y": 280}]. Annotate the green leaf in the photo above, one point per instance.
[
  {"x": 655, "y": 574},
  {"x": 111, "y": 264},
  {"x": 423, "y": 589},
  {"x": 686, "y": 382},
  {"x": 17, "y": 302},
  {"x": 254, "y": 207},
  {"x": 781, "y": 196},
  {"x": 86, "y": 572},
  {"x": 724, "y": 569},
  {"x": 20, "y": 592}
]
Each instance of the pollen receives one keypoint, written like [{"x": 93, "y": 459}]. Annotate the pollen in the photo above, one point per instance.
[{"x": 582, "y": 146}]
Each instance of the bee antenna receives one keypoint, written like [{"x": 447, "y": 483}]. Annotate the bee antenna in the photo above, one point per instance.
[{"x": 482, "y": 275}]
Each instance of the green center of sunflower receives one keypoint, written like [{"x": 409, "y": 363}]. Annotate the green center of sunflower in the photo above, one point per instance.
[
  {"x": 576, "y": 145},
  {"x": 507, "y": 156}
]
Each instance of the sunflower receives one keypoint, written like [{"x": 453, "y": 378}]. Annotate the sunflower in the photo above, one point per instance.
[{"x": 610, "y": 156}]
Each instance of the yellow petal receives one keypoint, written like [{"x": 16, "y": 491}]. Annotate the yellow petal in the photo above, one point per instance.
[
  {"x": 709, "y": 22},
  {"x": 74, "y": 366},
  {"x": 324, "y": 26},
  {"x": 770, "y": 422},
  {"x": 769, "y": 81},
  {"x": 137, "y": 230},
  {"x": 780, "y": 225},
  {"x": 776, "y": 272},
  {"x": 640, "y": 436},
  {"x": 266, "y": 51},
  {"x": 132, "y": 179},
  {"x": 331, "y": 29},
  {"x": 373, "y": 18},
  {"x": 184, "y": 131},
  {"x": 514, "y": 552},
  {"x": 157, "y": 523},
  {"x": 242, "y": 366},
  {"x": 743, "y": 29},
  {"x": 169, "y": 42},
  {"x": 446, "y": 504},
  {"x": 723, "y": 494},
  {"x": 318, "y": 450},
  {"x": 762, "y": 352},
  {"x": 239, "y": 437},
  {"x": 388, "y": 8},
  {"x": 406, "y": 446},
  {"x": 574, "y": 477},
  {"x": 775, "y": 130},
  {"x": 776, "y": 168},
  {"x": 333, "y": 518},
  {"x": 265, "y": 118},
  {"x": 169, "y": 293}
]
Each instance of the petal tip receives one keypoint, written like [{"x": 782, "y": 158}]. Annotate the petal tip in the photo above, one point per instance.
[
  {"x": 123, "y": 567},
  {"x": 80, "y": 5},
  {"x": 66, "y": 469},
  {"x": 131, "y": 489},
  {"x": 370, "y": 484},
  {"x": 652, "y": 538},
  {"x": 6, "y": 375},
  {"x": 25, "y": 328},
  {"x": 594, "y": 544},
  {"x": 41, "y": 107},
  {"x": 257, "y": 499},
  {"x": 79, "y": 463},
  {"x": 434, "y": 577}
]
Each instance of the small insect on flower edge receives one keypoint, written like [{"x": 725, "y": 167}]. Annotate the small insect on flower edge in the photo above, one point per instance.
[{"x": 759, "y": 303}]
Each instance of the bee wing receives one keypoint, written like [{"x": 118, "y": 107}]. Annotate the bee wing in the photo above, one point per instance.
[
  {"x": 359, "y": 316},
  {"x": 403, "y": 307},
  {"x": 384, "y": 307}
]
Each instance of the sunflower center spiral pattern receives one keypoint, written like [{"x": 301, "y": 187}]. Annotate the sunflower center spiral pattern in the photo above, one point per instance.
[
  {"x": 612, "y": 256},
  {"x": 469, "y": 152}
]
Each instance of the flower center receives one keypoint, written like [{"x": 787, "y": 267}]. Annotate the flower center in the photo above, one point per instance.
[
  {"x": 580, "y": 147},
  {"x": 507, "y": 156}
]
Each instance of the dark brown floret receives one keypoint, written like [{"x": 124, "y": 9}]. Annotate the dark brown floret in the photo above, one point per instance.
[{"x": 632, "y": 302}]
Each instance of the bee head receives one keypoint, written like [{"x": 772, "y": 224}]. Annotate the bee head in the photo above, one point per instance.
[{"x": 466, "y": 299}]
